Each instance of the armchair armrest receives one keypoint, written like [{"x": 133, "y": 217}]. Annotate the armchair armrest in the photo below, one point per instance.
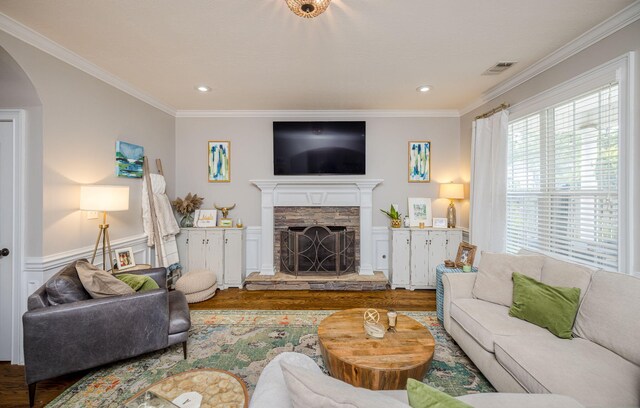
[
  {"x": 100, "y": 330},
  {"x": 157, "y": 274},
  {"x": 456, "y": 286}
]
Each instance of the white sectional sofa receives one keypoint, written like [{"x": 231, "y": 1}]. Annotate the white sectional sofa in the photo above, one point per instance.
[{"x": 599, "y": 366}]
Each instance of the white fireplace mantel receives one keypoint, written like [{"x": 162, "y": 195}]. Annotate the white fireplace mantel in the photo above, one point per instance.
[{"x": 318, "y": 191}]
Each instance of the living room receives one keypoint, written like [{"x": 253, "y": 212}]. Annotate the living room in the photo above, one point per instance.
[{"x": 80, "y": 76}]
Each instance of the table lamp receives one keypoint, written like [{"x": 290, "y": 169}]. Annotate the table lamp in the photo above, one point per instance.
[
  {"x": 452, "y": 191},
  {"x": 104, "y": 198}
]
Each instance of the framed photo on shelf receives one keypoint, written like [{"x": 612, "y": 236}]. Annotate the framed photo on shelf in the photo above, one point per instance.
[
  {"x": 125, "y": 259},
  {"x": 219, "y": 161},
  {"x": 420, "y": 161},
  {"x": 466, "y": 254},
  {"x": 439, "y": 222},
  {"x": 420, "y": 212},
  {"x": 206, "y": 218}
]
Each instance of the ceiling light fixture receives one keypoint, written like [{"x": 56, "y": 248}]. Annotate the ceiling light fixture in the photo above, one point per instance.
[
  {"x": 308, "y": 8},
  {"x": 203, "y": 88},
  {"x": 423, "y": 88}
]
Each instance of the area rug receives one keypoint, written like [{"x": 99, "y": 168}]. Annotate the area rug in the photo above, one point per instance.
[{"x": 243, "y": 342}]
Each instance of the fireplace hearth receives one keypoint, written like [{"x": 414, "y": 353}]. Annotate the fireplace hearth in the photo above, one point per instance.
[{"x": 318, "y": 250}]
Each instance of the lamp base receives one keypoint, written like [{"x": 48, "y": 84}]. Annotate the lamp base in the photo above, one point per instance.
[{"x": 451, "y": 215}]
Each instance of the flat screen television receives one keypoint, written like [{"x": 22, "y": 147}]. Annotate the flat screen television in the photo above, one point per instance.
[{"x": 304, "y": 148}]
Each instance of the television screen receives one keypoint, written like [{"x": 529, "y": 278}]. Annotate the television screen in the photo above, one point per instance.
[{"x": 318, "y": 148}]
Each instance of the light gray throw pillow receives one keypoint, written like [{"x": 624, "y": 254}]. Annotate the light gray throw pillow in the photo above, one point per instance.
[
  {"x": 100, "y": 283},
  {"x": 494, "y": 283},
  {"x": 308, "y": 389}
]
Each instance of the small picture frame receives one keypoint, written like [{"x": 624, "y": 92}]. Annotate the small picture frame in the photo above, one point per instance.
[
  {"x": 420, "y": 212},
  {"x": 206, "y": 218},
  {"x": 466, "y": 254},
  {"x": 125, "y": 259},
  {"x": 439, "y": 222},
  {"x": 225, "y": 222}
]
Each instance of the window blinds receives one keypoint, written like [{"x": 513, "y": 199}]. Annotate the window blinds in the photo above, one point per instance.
[{"x": 562, "y": 180}]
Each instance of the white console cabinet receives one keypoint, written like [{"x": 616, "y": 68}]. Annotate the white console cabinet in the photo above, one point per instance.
[
  {"x": 415, "y": 253},
  {"x": 221, "y": 250}
]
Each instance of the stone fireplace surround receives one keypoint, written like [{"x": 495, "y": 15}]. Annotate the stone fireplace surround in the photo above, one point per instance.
[{"x": 321, "y": 191}]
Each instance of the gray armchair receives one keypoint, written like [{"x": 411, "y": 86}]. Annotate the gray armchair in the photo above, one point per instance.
[{"x": 65, "y": 330}]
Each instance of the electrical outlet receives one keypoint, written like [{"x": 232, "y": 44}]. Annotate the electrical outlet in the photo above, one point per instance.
[{"x": 92, "y": 215}]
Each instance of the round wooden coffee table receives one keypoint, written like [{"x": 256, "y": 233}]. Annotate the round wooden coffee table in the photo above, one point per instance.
[
  {"x": 218, "y": 388},
  {"x": 376, "y": 364}
]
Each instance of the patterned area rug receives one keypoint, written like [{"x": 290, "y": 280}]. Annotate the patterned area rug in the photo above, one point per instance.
[{"x": 243, "y": 342}]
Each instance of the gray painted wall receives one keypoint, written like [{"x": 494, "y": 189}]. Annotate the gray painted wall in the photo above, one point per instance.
[
  {"x": 82, "y": 117},
  {"x": 615, "y": 45},
  {"x": 252, "y": 158}
]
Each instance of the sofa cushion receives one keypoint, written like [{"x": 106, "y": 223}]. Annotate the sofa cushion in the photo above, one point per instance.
[
  {"x": 65, "y": 287},
  {"x": 484, "y": 321},
  {"x": 179, "y": 317},
  {"x": 309, "y": 389},
  {"x": 556, "y": 272},
  {"x": 493, "y": 282},
  {"x": 139, "y": 283},
  {"x": 423, "y": 396},
  {"x": 551, "y": 307},
  {"x": 100, "y": 283},
  {"x": 506, "y": 400},
  {"x": 579, "y": 368},
  {"x": 609, "y": 314}
]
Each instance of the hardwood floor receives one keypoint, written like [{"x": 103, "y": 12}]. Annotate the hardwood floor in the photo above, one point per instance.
[{"x": 13, "y": 390}]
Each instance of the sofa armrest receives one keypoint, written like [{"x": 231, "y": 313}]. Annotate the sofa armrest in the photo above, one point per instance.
[
  {"x": 456, "y": 286},
  {"x": 157, "y": 274},
  {"x": 80, "y": 335}
]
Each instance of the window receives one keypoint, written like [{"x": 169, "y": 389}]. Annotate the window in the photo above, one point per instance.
[{"x": 563, "y": 184}]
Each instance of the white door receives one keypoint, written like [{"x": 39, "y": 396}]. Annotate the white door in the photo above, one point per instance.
[
  {"x": 6, "y": 237},
  {"x": 215, "y": 255},
  {"x": 419, "y": 259},
  {"x": 400, "y": 258},
  {"x": 182, "y": 240},
  {"x": 437, "y": 253},
  {"x": 196, "y": 250},
  {"x": 454, "y": 239},
  {"x": 233, "y": 265}
]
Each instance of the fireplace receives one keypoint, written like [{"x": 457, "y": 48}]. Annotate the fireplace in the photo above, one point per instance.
[
  {"x": 317, "y": 250},
  {"x": 319, "y": 193}
]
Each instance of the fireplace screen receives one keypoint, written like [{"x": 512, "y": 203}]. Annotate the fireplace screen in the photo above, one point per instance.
[{"x": 317, "y": 250}]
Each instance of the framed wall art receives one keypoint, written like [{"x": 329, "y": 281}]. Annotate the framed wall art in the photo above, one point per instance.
[
  {"x": 420, "y": 162},
  {"x": 219, "y": 162},
  {"x": 206, "y": 218},
  {"x": 420, "y": 212},
  {"x": 129, "y": 160}
]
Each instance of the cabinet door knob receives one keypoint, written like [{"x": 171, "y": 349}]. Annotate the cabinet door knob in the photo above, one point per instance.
[
  {"x": 407, "y": 240},
  {"x": 226, "y": 240},
  {"x": 203, "y": 241},
  {"x": 187, "y": 241}
]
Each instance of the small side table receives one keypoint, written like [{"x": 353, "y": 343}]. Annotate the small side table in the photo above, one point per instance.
[{"x": 440, "y": 269}]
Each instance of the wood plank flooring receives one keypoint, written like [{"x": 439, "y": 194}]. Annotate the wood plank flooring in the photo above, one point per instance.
[{"x": 13, "y": 390}]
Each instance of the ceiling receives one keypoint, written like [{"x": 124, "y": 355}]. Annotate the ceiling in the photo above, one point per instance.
[{"x": 359, "y": 54}]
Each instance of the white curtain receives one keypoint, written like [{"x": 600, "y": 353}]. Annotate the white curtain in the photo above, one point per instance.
[{"x": 489, "y": 183}]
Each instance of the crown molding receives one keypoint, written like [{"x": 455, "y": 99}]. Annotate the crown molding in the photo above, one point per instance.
[
  {"x": 618, "y": 21},
  {"x": 435, "y": 113},
  {"x": 39, "y": 41}
]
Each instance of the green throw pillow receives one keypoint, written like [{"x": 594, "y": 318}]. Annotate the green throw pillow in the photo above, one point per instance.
[
  {"x": 551, "y": 307},
  {"x": 423, "y": 396},
  {"x": 139, "y": 283}
]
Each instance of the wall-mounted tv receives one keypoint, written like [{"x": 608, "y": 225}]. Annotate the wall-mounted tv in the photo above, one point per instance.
[{"x": 303, "y": 148}]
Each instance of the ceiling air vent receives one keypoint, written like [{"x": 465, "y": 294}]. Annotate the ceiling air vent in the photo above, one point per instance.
[{"x": 499, "y": 68}]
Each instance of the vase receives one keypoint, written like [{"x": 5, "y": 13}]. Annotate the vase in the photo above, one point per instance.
[
  {"x": 396, "y": 223},
  {"x": 187, "y": 221}
]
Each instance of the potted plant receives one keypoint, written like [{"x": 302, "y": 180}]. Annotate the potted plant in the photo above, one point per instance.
[
  {"x": 394, "y": 215},
  {"x": 186, "y": 207}
]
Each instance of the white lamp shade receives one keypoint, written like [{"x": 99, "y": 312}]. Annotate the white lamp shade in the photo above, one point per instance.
[
  {"x": 452, "y": 191},
  {"x": 104, "y": 198}
]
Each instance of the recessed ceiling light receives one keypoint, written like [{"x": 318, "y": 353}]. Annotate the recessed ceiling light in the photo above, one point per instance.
[
  {"x": 203, "y": 88},
  {"x": 423, "y": 88}
]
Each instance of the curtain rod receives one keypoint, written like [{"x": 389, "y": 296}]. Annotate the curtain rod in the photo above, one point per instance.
[{"x": 502, "y": 106}]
